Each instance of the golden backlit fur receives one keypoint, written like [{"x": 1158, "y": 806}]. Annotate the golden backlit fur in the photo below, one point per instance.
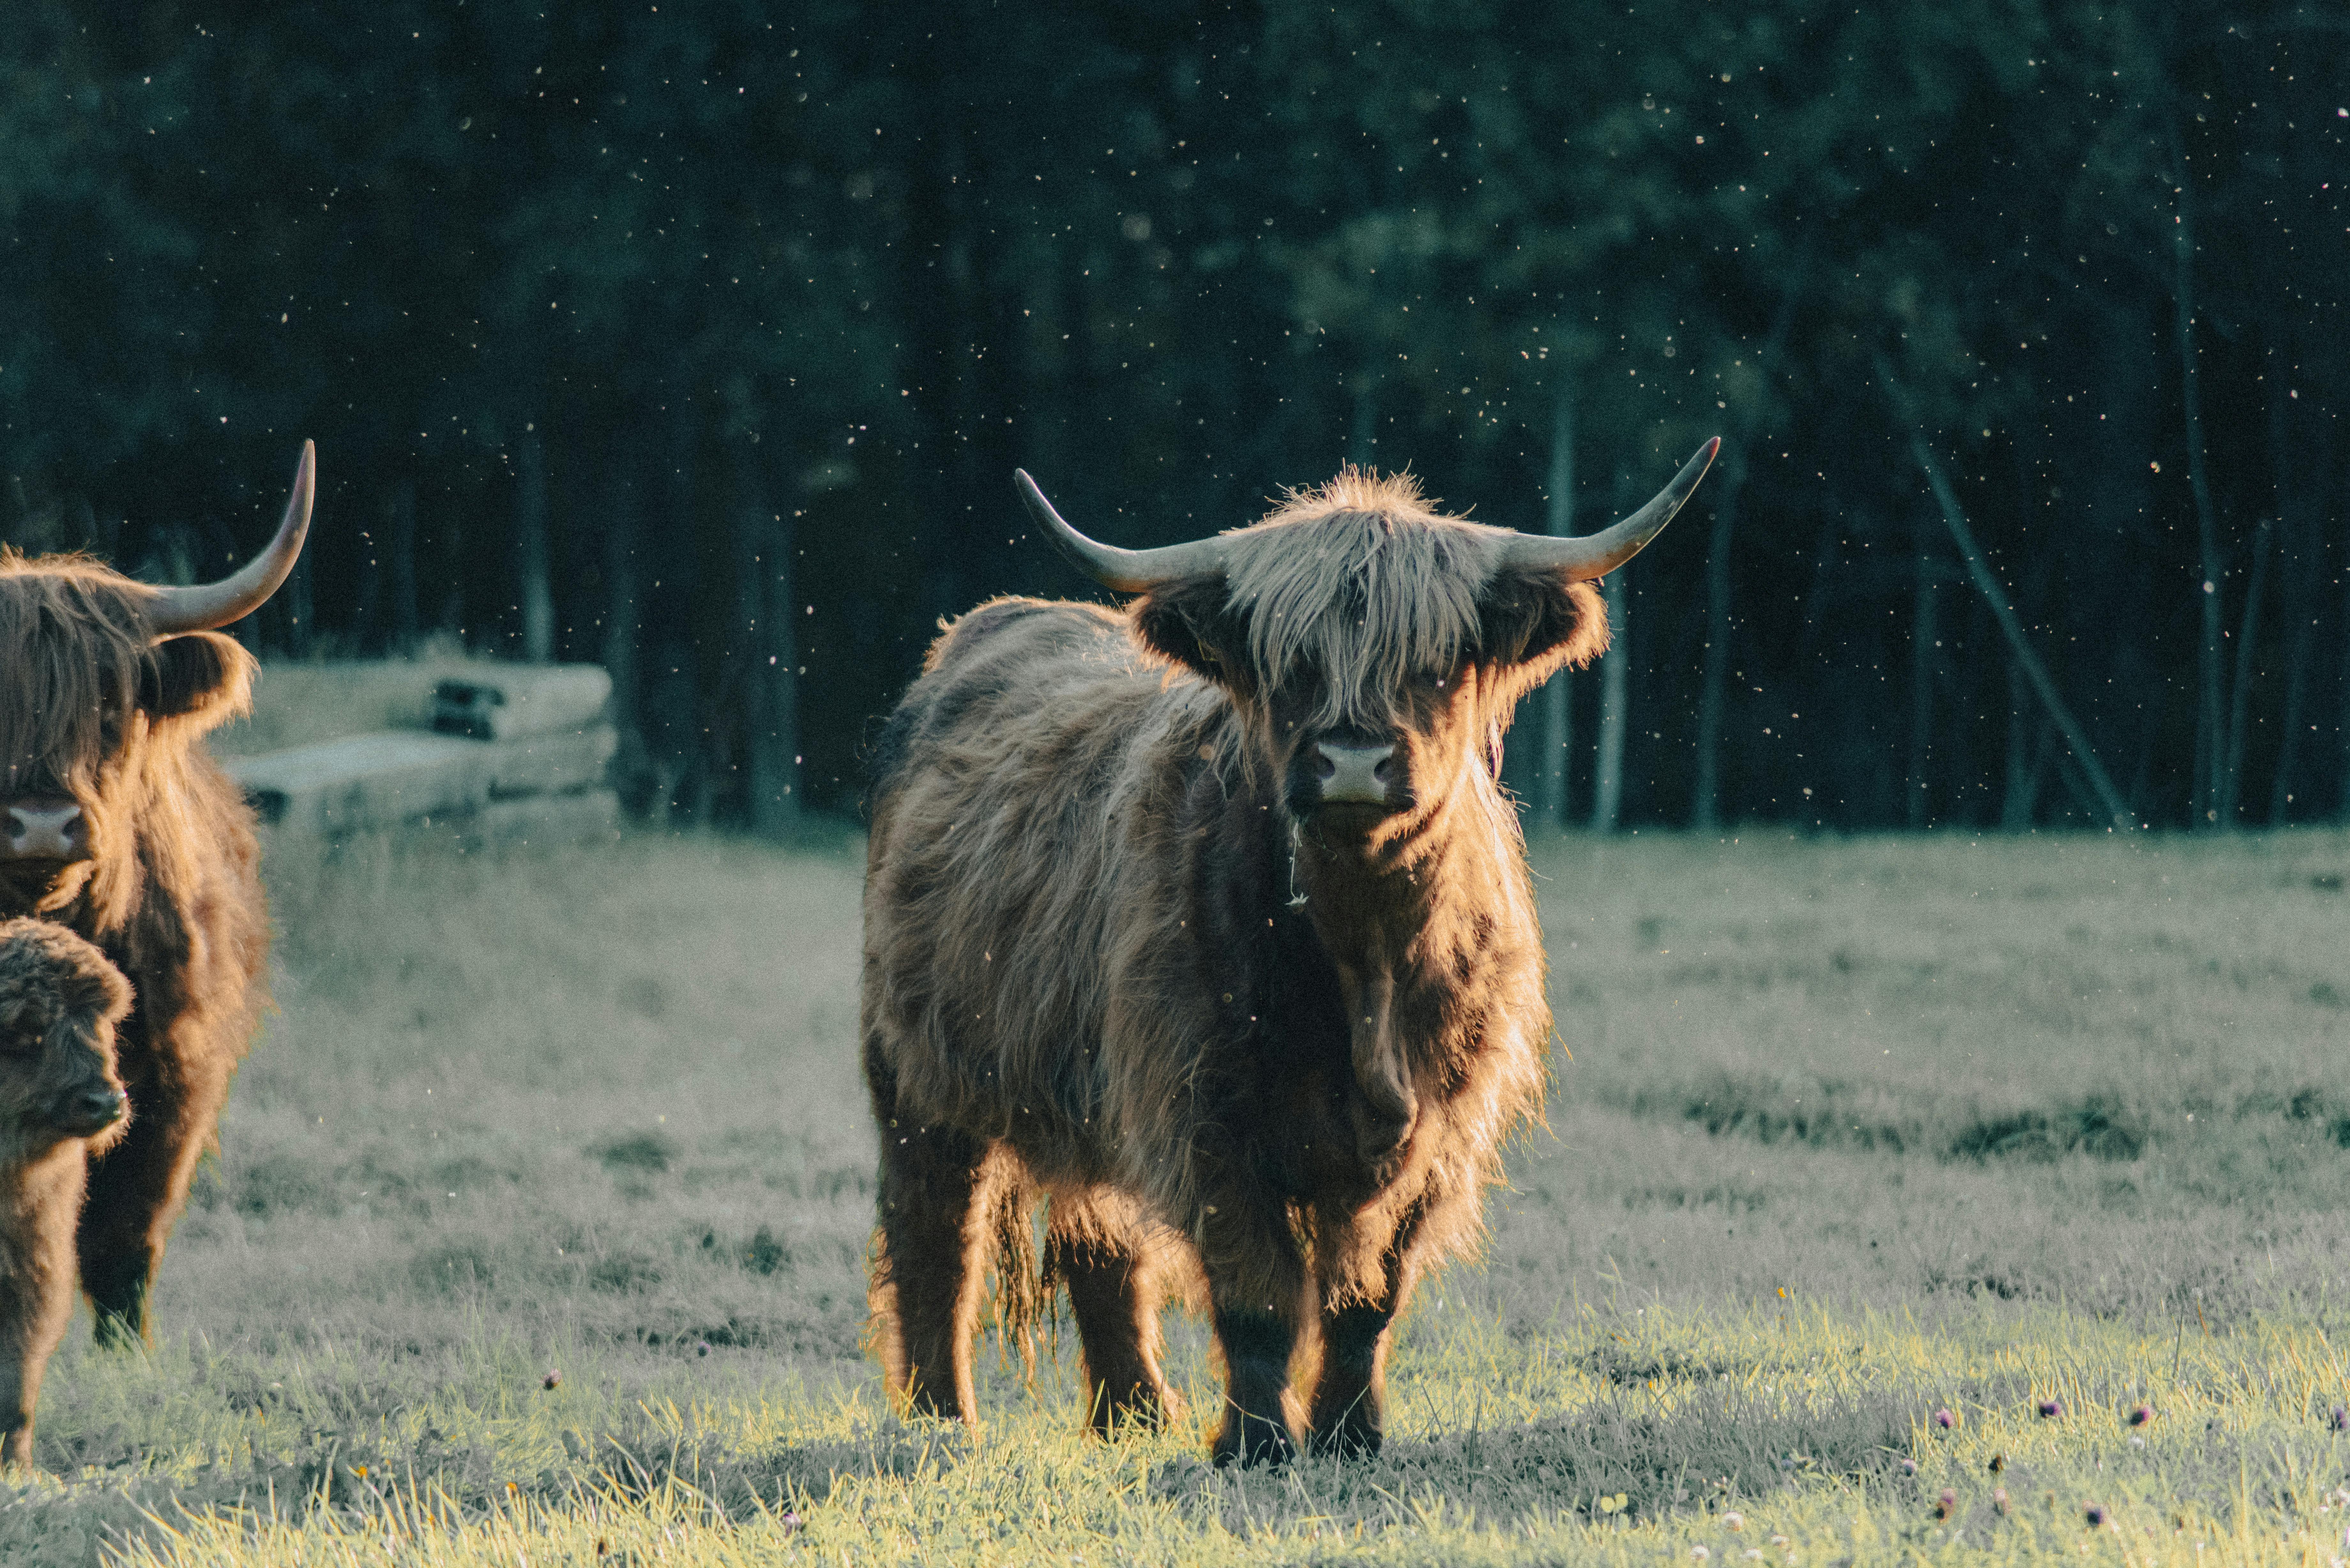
[
  {"x": 1252, "y": 1049},
  {"x": 95, "y": 707},
  {"x": 60, "y": 1001}
]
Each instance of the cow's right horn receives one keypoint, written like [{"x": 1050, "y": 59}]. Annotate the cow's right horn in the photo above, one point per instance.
[
  {"x": 1120, "y": 571},
  {"x": 202, "y": 605},
  {"x": 1597, "y": 555}
]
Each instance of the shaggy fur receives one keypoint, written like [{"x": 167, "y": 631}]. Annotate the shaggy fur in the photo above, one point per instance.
[
  {"x": 60, "y": 1103},
  {"x": 1254, "y": 1047},
  {"x": 94, "y": 708}
]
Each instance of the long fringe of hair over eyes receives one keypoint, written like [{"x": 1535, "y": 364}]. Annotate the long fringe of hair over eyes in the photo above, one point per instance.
[{"x": 1388, "y": 593}]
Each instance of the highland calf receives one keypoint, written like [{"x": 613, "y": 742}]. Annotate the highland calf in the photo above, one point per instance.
[
  {"x": 1208, "y": 918},
  {"x": 61, "y": 1102},
  {"x": 115, "y": 823}
]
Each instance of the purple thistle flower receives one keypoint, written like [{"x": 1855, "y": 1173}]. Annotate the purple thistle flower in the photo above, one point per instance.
[
  {"x": 1944, "y": 1420},
  {"x": 701, "y": 1348},
  {"x": 2095, "y": 1515},
  {"x": 1947, "y": 1506},
  {"x": 2051, "y": 1408},
  {"x": 2341, "y": 1421},
  {"x": 551, "y": 1379},
  {"x": 2141, "y": 1416}
]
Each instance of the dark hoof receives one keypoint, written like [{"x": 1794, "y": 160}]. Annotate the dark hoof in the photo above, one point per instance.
[
  {"x": 117, "y": 1332},
  {"x": 1252, "y": 1441},
  {"x": 1145, "y": 1412},
  {"x": 1347, "y": 1440}
]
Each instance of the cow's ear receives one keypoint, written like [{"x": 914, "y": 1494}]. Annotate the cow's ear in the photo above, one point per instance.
[
  {"x": 1192, "y": 622},
  {"x": 202, "y": 679},
  {"x": 1533, "y": 622}
]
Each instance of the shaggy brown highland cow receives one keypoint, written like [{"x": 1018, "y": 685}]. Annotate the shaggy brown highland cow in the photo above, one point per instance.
[
  {"x": 115, "y": 824},
  {"x": 60, "y": 1103},
  {"x": 1208, "y": 918}
]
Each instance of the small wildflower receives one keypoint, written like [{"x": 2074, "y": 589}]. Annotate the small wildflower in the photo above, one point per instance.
[
  {"x": 1909, "y": 1467},
  {"x": 791, "y": 1519},
  {"x": 1947, "y": 1506},
  {"x": 1733, "y": 1520},
  {"x": 2136, "y": 1441},
  {"x": 1753, "y": 1554},
  {"x": 554, "y": 1375},
  {"x": 2141, "y": 1416},
  {"x": 1700, "y": 1553},
  {"x": 2095, "y": 1514},
  {"x": 1998, "y": 1463},
  {"x": 2049, "y": 1409},
  {"x": 701, "y": 1348},
  {"x": 1999, "y": 1498},
  {"x": 2341, "y": 1421},
  {"x": 1945, "y": 1419},
  {"x": 1778, "y": 1541}
]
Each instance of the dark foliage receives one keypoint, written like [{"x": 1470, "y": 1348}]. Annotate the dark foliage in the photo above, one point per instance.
[{"x": 701, "y": 341}]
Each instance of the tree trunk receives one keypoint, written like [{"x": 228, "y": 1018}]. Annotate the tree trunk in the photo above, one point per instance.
[
  {"x": 2210, "y": 735},
  {"x": 399, "y": 546},
  {"x": 1363, "y": 436},
  {"x": 301, "y": 609},
  {"x": 1925, "y": 659},
  {"x": 623, "y": 610},
  {"x": 2025, "y": 756},
  {"x": 1712, "y": 709},
  {"x": 1558, "y": 692},
  {"x": 1713, "y": 695},
  {"x": 2101, "y": 799},
  {"x": 2231, "y": 774},
  {"x": 2301, "y": 571},
  {"x": 766, "y": 654},
  {"x": 531, "y": 565},
  {"x": 1615, "y": 700}
]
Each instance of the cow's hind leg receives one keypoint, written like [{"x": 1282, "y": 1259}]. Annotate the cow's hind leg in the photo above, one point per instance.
[
  {"x": 930, "y": 1256},
  {"x": 1119, "y": 1269}
]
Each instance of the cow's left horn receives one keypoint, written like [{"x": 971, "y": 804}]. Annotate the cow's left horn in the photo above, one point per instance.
[
  {"x": 202, "y": 605},
  {"x": 1597, "y": 555},
  {"x": 1120, "y": 571}
]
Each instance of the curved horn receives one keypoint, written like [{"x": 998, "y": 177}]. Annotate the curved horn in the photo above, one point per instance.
[
  {"x": 1120, "y": 571},
  {"x": 204, "y": 606},
  {"x": 1597, "y": 555}
]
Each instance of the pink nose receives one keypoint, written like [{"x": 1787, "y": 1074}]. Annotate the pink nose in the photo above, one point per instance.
[{"x": 44, "y": 830}]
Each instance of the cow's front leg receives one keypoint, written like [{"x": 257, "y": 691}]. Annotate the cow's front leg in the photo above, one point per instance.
[
  {"x": 1256, "y": 1289},
  {"x": 1358, "y": 1308},
  {"x": 137, "y": 1189}
]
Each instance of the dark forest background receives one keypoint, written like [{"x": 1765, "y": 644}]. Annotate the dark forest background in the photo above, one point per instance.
[{"x": 701, "y": 339}]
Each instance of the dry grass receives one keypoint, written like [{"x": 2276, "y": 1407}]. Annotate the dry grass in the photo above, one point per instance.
[{"x": 599, "y": 1113}]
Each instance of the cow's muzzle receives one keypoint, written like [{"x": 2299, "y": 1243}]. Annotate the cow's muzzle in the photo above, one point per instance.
[
  {"x": 89, "y": 1111},
  {"x": 43, "y": 828},
  {"x": 1343, "y": 774}
]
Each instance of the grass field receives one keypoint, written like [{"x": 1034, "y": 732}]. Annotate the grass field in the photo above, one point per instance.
[{"x": 1853, "y": 1132}]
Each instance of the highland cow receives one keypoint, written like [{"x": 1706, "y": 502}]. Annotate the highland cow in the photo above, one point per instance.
[
  {"x": 115, "y": 824},
  {"x": 61, "y": 1102},
  {"x": 1208, "y": 918}
]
